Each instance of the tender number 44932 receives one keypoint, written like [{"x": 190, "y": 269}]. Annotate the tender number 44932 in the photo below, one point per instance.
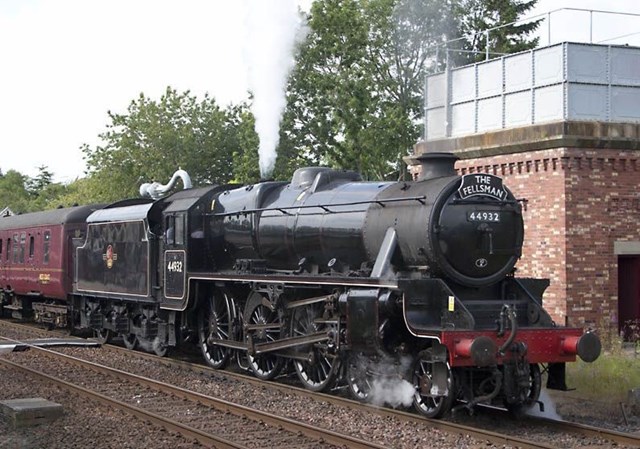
[{"x": 175, "y": 266}]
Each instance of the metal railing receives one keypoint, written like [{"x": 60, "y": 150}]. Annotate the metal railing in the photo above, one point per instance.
[
  {"x": 546, "y": 17},
  {"x": 591, "y": 13}
]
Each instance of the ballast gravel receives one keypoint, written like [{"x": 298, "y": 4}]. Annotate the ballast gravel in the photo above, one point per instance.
[{"x": 90, "y": 425}]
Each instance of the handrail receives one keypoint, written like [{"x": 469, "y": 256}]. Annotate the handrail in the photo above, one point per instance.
[{"x": 544, "y": 15}]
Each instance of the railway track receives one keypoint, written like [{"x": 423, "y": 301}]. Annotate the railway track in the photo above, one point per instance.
[
  {"x": 211, "y": 421},
  {"x": 450, "y": 427},
  {"x": 556, "y": 425}
]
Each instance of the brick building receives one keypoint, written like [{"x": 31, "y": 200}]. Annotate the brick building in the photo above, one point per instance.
[{"x": 579, "y": 170}]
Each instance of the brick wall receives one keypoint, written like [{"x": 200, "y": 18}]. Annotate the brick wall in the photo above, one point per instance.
[{"x": 579, "y": 202}]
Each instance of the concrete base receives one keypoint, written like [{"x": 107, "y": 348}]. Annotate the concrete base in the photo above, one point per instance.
[{"x": 30, "y": 411}]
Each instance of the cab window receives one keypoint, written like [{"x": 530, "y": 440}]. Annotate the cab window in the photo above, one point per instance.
[
  {"x": 180, "y": 230},
  {"x": 175, "y": 230},
  {"x": 170, "y": 230}
]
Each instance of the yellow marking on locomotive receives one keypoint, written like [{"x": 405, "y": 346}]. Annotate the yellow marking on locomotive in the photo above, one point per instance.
[
  {"x": 44, "y": 278},
  {"x": 452, "y": 303}
]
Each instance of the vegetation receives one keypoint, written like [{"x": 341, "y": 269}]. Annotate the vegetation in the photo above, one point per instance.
[
  {"x": 608, "y": 379},
  {"x": 478, "y": 16},
  {"x": 154, "y": 138},
  {"x": 353, "y": 102},
  {"x": 23, "y": 194},
  {"x": 616, "y": 372},
  {"x": 355, "y": 97}
]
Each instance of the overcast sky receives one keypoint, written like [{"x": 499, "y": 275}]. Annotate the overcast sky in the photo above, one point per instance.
[{"x": 65, "y": 63}]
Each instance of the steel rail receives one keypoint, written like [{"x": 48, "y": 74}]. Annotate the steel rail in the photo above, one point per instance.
[
  {"x": 446, "y": 426},
  {"x": 186, "y": 431},
  {"x": 565, "y": 426},
  {"x": 316, "y": 433},
  {"x": 590, "y": 431}
]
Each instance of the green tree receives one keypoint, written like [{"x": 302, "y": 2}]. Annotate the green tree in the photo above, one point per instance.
[
  {"x": 244, "y": 142},
  {"x": 13, "y": 192},
  {"x": 40, "y": 182},
  {"x": 154, "y": 138},
  {"x": 355, "y": 96},
  {"x": 477, "y": 16},
  {"x": 24, "y": 194},
  {"x": 332, "y": 99}
]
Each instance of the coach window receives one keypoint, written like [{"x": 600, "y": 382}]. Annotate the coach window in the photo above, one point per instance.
[
  {"x": 23, "y": 242},
  {"x": 16, "y": 242},
  {"x": 1, "y": 249},
  {"x": 6, "y": 257},
  {"x": 31, "y": 246},
  {"x": 45, "y": 246}
]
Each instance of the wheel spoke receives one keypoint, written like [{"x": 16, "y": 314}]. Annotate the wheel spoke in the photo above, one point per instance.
[
  {"x": 265, "y": 366},
  {"x": 359, "y": 377},
  {"x": 427, "y": 404},
  {"x": 103, "y": 336},
  {"x": 321, "y": 371},
  {"x": 215, "y": 323},
  {"x": 130, "y": 341}
]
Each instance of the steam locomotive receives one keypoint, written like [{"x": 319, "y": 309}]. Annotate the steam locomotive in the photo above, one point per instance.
[{"x": 343, "y": 281}]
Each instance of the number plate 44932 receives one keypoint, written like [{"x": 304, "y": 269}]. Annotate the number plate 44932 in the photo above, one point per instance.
[{"x": 483, "y": 216}]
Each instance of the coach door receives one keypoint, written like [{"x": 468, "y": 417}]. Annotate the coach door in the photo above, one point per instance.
[
  {"x": 174, "y": 261},
  {"x": 629, "y": 296}
]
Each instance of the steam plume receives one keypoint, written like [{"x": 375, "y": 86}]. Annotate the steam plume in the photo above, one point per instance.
[
  {"x": 389, "y": 386},
  {"x": 549, "y": 407},
  {"x": 392, "y": 391},
  {"x": 274, "y": 29}
]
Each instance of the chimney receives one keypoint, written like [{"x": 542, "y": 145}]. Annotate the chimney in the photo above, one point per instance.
[{"x": 435, "y": 165}]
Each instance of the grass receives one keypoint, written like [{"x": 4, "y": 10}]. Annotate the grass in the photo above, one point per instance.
[
  {"x": 608, "y": 379},
  {"x": 613, "y": 374}
]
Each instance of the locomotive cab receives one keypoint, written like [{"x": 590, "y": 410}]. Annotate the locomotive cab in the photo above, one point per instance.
[{"x": 187, "y": 242}]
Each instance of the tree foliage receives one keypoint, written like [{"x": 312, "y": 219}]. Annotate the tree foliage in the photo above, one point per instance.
[
  {"x": 478, "y": 16},
  {"x": 24, "y": 194},
  {"x": 354, "y": 101},
  {"x": 341, "y": 106},
  {"x": 13, "y": 192},
  {"x": 154, "y": 138},
  {"x": 355, "y": 97}
]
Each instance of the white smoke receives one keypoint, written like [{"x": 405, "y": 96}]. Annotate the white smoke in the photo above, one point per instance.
[
  {"x": 274, "y": 28},
  {"x": 389, "y": 386},
  {"x": 392, "y": 391},
  {"x": 549, "y": 407}
]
